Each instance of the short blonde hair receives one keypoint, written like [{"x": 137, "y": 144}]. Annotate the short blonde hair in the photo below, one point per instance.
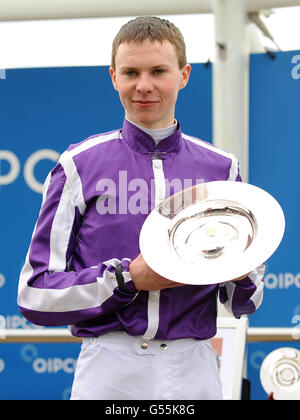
[{"x": 153, "y": 28}]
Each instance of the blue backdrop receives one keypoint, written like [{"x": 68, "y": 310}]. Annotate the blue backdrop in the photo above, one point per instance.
[
  {"x": 42, "y": 111},
  {"x": 274, "y": 166}
]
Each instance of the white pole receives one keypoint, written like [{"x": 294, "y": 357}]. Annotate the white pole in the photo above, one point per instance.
[{"x": 231, "y": 80}]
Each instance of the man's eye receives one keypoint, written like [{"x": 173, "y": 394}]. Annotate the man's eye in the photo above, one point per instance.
[
  {"x": 159, "y": 71},
  {"x": 130, "y": 73}
]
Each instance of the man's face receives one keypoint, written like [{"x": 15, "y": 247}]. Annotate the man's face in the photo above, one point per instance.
[{"x": 148, "y": 78}]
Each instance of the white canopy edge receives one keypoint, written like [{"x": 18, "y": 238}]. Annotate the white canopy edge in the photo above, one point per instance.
[{"x": 14, "y": 10}]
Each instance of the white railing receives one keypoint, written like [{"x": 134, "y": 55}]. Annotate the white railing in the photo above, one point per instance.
[
  {"x": 273, "y": 334},
  {"x": 63, "y": 335},
  {"x": 39, "y": 335}
]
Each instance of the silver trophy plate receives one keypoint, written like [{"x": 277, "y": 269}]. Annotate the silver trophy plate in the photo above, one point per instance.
[
  {"x": 280, "y": 374},
  {"x": 212, "y": 232}
]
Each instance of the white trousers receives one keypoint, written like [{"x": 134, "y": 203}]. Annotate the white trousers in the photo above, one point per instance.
[{"x": 121, "y": 367}]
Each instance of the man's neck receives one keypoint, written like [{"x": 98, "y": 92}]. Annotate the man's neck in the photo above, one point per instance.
[{"x": 157, "y": 134}]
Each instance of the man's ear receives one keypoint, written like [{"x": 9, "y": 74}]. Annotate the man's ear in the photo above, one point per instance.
[
  {"x": 185, "y": 75},
  {"x": 113, "y": 76}
]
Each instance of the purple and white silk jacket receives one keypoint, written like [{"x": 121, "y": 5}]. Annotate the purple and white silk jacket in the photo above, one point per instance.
[{"x": 94, "y": 204}]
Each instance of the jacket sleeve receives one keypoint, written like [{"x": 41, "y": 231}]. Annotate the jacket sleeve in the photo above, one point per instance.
[
  {"x": 51, "y": 295},
  {"x": 243, "y": 297}
]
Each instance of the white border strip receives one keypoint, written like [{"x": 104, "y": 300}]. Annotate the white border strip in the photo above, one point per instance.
[{"x": 154, "y": 296}]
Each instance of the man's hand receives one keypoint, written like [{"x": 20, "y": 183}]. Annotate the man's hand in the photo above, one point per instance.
[{"x": 145, "y": 278}]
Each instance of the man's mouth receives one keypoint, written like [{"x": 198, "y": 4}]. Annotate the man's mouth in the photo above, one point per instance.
[
  {"x": 145, "y": 104},
  {"x": 143, "y": 101}
]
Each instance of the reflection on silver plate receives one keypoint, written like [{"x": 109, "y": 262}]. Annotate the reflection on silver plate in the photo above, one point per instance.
[
  {"x": 280, "y": 374},
  {"x": 212, "y": 232}
]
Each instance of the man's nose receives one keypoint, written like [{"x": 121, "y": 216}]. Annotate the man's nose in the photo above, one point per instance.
[{"x": 144, "y": 84}]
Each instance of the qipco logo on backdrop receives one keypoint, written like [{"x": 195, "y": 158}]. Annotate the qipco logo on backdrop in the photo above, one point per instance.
[
  {"x": 14, "y": 167},
  {"x": 30, "y": 354}
]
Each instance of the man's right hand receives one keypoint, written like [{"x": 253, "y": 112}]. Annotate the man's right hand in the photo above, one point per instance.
[{"x": 145, "y": 278}]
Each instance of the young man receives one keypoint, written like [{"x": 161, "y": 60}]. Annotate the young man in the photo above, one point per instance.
[{"x": 144, "y": 336}]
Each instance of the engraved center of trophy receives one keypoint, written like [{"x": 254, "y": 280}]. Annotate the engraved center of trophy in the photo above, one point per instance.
[
  {"x": 221, "y": 229},
  {"x": 211, "y": 239}
]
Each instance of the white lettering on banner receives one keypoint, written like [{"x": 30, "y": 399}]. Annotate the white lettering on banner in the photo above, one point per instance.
[
  {"x": 17, "y": 321},
  {"x": 296, "y": 69},
  {"x": 13, "y": 161},
  {"x": 296, "y": 329},
  {"x": 297, "y": 310},
  {"x": 31, "y": 163},
  {"x": 28, "y": 353},
  {"x": 2, "y": 365},
  {"x": 29, "y": 167},
  {"x": 256, "y": 359},
  {"x": 54, "y": 365},
  {"x": 66, "y": 395},
  {"x": 2, "y": 327},
  {"x": 2, "y": 280},
  {"x": 282, "y": 281}
]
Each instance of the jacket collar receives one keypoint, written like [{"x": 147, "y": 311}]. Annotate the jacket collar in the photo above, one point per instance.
[{"x": 141, "y": 142}]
